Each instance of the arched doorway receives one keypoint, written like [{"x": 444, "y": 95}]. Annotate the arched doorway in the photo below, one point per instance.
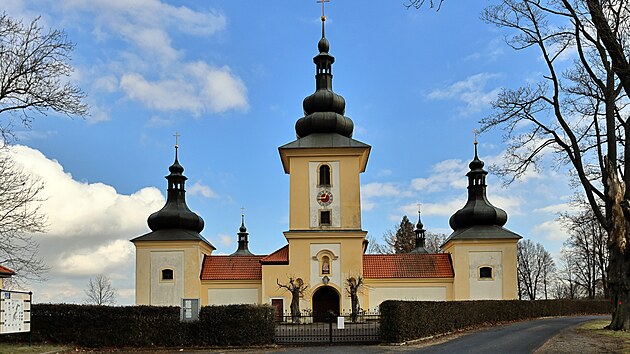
[{"x": 325, "y": 300}]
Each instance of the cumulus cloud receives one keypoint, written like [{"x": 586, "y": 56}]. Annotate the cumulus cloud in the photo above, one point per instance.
[
  {"x": 444, "y": 174},
  {"x": 375, "y": 190},
  {"x": 90, "y": 225},
  {"x": 201, "y": 189},
  {"x": 471, "y": 91},
  {"x": 168, "y": 81}
]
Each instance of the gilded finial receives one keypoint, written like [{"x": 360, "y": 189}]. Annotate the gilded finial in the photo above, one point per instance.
[
  {"x": 419, "y": 204},
  {"x": 177, "y": 135},
  {"x": 475, "y": 132},
  {"x": 323, "y": 14}
]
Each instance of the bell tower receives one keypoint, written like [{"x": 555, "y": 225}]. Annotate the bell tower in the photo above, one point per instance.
[{"x": 324, "y": 165}]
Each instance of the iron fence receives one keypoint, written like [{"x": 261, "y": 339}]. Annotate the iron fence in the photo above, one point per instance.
[{"x": 309, "y": 328}]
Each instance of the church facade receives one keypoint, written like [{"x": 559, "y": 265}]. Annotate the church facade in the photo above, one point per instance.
[{"x": 326, "y": 245}]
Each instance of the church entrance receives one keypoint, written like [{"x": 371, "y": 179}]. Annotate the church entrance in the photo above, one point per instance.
[{"x": 325, "y": 303}]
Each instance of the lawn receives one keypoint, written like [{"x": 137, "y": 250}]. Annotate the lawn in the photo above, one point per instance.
[{"x": 597, "y": 328}]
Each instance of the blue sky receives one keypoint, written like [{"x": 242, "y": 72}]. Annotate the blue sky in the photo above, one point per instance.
[{"x": 230, "y": 77}]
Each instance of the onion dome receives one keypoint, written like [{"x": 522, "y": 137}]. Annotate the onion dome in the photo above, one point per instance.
[
  {"x": 324, "y": 110},
  {"x": 420, "y": 237},
  {"x": 175, "y": 214},
  {"x": 243, "y": 249},
  {"x": 478, "y": 210}
]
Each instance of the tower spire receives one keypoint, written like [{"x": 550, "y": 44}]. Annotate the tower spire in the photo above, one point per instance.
[
  {"x": 420, "y": 235},
  {"x": 478, "y": 210},
  {"x": 175, "y": 214},
  {"x": 243, "y": 249},
  {"x": 324, "y": 110}
]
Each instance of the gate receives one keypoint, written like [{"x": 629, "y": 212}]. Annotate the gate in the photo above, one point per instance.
[{"x": 306, "y": 329}]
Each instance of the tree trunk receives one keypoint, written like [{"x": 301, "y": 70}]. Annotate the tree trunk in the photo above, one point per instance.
[
  {"x": 295, "y": 306},
  {"x": 619, "y": 266}
]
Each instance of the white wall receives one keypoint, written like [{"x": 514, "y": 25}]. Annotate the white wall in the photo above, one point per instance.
[
  {"x": 167, "y": 293},
  {"x": 486, "y": 289},
  {"x": 232, "y": 296}
]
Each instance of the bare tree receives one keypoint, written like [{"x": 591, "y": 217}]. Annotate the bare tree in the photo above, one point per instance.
[
  {"x": 20, "y": 217},
  {"x": 297, "y": 288},
  {"x": 353, "y": 287},
  {"x": 587, "y": 250},
  {"x": 100, "y": 291},
  {"x": 580, "y": 115},
  {"x": 433, "y": 241},
  {"x": 34, "y": 68},
  {"x": 535, "y": 268}
]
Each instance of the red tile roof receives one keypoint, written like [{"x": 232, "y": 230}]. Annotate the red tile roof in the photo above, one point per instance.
[
  {"x": 231, "y": 268},
  {"x": 280, "y": 256},
  {"x": 6, "y": 271},
  {"x": 409, "y": 265}
]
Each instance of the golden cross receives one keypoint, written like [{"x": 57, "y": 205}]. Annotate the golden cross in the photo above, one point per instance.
[
  {"x": 176, "y": 139},
  {"x": 242, "y": 211},
  {"x": 475, "y": 132},
  {"x": 418, "y": 204},
  {"x": 323, "y": 2}
]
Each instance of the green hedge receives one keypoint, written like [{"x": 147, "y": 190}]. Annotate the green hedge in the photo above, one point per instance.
[
  {"x": 149, "y": 326},
  {"x": 407, "y": 320}
]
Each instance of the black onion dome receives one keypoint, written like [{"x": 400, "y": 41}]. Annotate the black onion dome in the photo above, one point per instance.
[
  {"x": 175, "y": 214},
  {"x": 478, "y": 210},
  {"x": 324, "y": 110}
]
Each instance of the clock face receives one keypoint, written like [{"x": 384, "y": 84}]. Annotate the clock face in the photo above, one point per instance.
[{"x": 324, "y": 198}]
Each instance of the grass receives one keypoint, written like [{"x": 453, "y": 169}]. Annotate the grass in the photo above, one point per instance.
[
  {"x": 9, "y": 348},
  {"x": 597, "y": 328}
]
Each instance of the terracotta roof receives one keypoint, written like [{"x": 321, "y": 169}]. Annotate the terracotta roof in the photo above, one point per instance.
[
  {"x": 408, "y": 265},
  {"x": 6, "y": 271},
  {"x": 280, "y": 256},
  {"x": 231, "y": 268}
]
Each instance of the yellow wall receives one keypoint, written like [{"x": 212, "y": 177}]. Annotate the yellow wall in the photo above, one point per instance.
[
  {"x": 193, "y": 257},
  {"x": 413, "y": 285},
  {"x": 460, "y": 251},
  {"x": 351, "y": 165},
  {"x": 229, "y": 284}
]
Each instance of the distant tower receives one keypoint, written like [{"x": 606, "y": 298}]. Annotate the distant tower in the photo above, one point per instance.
[
  {"x": 484, "y": 253},
  {"x": 168, "y": 259},
  {"x": 420, "y": 236},
  {"x": 243, "y": 242}
]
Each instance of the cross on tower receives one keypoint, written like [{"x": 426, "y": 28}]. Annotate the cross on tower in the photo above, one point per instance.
[
  {"x": 176, "y": 139},
  {"x": 475, "y": 132},
  {"x": 418, "y": 204},
  {"x": 323, "y": 2},
  {"x": 243, "y": 212}
]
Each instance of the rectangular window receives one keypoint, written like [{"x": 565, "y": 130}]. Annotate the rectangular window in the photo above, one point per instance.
[{"x": 324, "y": 217}]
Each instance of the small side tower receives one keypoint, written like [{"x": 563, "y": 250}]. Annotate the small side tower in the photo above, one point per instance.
[
  {"x": 243, "y": 242},
  {"x": 420, "y": 236},
  {"x": 483, "y": 252},
  {"x": 168, "y": 259}
]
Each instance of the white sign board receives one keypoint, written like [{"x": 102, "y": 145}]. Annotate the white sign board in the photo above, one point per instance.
[{"x": 15, "y": 312}]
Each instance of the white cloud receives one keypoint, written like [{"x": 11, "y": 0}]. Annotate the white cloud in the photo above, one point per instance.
[
  {"x": 551, "y": 230},
  {"x": 201, "y": 189},
  {"x": 444, "y": 174},
  {"x": 168, "y": 81},
  {"x": 472, "y": 91},
  {"x": 90, "y": 225},
  {"x": 375, "y": 190}
]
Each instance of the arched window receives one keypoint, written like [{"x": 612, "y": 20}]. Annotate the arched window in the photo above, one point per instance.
[
  {"x": 325, "y": 265},
  {"x": 485, "y": 273},
  {"x": 324, "y": 175},
  {"x": 167, "y": 274}
]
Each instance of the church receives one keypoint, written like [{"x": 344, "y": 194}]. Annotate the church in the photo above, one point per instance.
[{"x": 325, "y": 244}]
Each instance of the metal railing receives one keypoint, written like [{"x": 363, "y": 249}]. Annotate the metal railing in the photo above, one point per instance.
[{"x": 309, "y": 328}]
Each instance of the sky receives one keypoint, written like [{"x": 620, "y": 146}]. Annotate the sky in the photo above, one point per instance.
[{"x": 230, "y": 77}]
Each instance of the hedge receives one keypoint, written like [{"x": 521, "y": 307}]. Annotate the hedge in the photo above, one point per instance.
[
  {"x": 406, "y": 320},
  {"x": 149, "y": 326}
]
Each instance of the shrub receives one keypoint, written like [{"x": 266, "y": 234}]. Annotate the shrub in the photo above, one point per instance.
[
  {"x": 148, "y": 326},
  {"x": 406, "y": 320}
]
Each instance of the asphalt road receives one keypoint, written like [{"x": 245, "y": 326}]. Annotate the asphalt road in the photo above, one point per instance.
[{"x": 522, "y": 337}]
